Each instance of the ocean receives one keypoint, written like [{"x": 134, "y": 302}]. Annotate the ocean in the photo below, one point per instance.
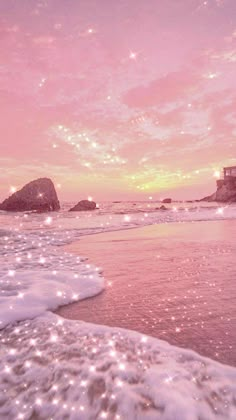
[
  {"x": 32, "y": 242},
  {"x": 38, "y": 275},
  {"x": 35, "y": 269}
]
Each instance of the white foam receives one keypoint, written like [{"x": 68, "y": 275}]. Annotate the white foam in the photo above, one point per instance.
[
  {"x": 55, "y": 368},
  {"x": 37, "y": 275},
  {"x": 28, "y": 294}
]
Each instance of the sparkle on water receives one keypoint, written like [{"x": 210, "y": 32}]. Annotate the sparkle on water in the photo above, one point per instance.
[{"x": 32, "y": 242}]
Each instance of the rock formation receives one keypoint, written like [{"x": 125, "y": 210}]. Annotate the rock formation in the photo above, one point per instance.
[
  {"x": 226, "y": 191},
  {"x": 161, "y": 208},
  {"x": 84, "y": 205},
  {"x": 167, "y": 201},
  {"x": 38, "y": 195}
]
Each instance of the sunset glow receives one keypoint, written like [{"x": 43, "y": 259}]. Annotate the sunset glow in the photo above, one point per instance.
[{"x": 117, "y": 99}]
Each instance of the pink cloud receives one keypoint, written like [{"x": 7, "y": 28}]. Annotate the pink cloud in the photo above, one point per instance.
[
  {"x": 168, "y": 89},
  {"x": 44, "y": 40}
]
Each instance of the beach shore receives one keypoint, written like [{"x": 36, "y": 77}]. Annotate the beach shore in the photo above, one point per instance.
[{"x": 171, "y": 281}]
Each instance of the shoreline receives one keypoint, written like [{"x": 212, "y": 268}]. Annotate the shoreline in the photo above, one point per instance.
[
  {"x": 133, "y": 248},
  {"x": 86, "y": 371},
  {"x": 57, "y": 367}
]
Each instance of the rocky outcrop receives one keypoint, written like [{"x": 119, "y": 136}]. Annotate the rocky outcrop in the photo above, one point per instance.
[
  {"x": 161, "y": 208},
  {"x": 84, "y": 205},
  {"x": 167, "y": 201},
  {"x": 226, "y": 191},
  {"x": 38, "y": 195}
]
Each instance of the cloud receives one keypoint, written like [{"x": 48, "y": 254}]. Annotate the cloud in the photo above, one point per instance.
[
  {"x": 170, "y": 88},
  {"x": 44, "y": 40}
]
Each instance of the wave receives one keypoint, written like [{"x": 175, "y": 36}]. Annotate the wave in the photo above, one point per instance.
[
  {"x": 55, "y": 368},
  {"x": 61, "y": 369},
  {"x": 36, "y": 274}
]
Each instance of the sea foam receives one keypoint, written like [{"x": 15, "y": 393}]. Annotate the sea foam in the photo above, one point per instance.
[
  {"x": 35, "y": 292},
  {"x": 60, "y": 369}
]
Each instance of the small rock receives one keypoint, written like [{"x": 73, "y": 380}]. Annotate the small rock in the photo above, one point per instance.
[
  {"x": 84, "y": 205},
  {"x": 167, "y": 200}
]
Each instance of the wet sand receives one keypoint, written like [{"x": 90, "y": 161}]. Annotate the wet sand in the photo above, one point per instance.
[{"x": 174, "y": 281}]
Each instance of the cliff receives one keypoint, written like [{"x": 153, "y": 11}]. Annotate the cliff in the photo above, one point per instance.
[{"x": 226, "y": 191}]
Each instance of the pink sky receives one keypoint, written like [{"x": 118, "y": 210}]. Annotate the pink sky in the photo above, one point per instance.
[{"x": 117, "y": 98}]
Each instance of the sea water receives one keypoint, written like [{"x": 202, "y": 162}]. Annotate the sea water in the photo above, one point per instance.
[
  {"x": 36, "y": 274},
  {"x": 49, "y": 364}
]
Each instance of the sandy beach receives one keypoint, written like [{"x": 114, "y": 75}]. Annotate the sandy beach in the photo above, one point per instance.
[{"x": 171, "y": 281}]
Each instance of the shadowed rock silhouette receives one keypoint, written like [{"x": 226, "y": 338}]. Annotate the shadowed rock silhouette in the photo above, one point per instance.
[{"x": 38, "y": 195}]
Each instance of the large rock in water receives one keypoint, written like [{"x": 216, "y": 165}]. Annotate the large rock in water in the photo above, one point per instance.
[
  {"x": 225, "y": 193},
  {"x": 84, "y": 205},
  {"x": 38, "y": 195}
]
